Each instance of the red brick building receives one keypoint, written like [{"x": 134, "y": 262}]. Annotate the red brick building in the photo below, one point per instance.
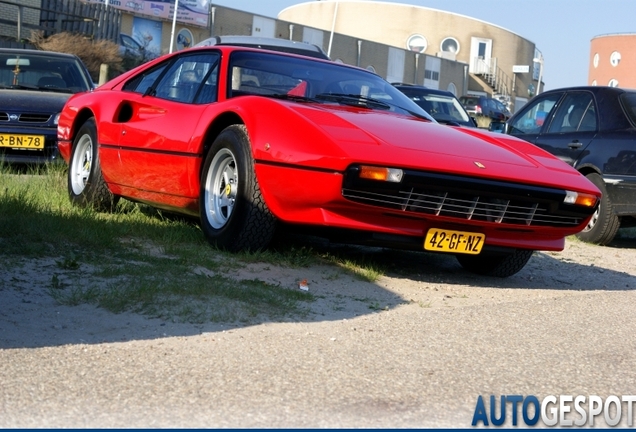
[{"x": 613, "y": 60}]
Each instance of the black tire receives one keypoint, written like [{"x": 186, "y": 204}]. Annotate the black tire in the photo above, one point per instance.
[
  {"x": 86, "y": 185},
  {"x": 234, "y": 215},
  {"x": 605, "y": 223},
  {"x": 495, "y": 264}
]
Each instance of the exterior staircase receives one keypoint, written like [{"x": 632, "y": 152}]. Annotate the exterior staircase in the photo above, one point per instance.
[{"x": 495, "y": 78}]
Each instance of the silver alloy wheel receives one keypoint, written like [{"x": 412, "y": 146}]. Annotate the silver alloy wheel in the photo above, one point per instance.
[
  {"x": 81, "y": 164},
  {"x": 594, "y": 219},
  {"x": 221, "y": 184}
]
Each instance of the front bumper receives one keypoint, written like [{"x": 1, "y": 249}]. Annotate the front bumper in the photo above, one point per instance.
[{"x": 324, "y": 199}]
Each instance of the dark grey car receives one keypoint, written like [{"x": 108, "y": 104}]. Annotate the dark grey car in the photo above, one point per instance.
[
  {"x": 34, "y": 86},
  {"x": 594, "y": 130},
  {"x": 485, "y": 109}
]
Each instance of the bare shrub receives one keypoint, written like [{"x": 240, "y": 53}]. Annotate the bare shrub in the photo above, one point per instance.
[{"x": 93, "y": 53}]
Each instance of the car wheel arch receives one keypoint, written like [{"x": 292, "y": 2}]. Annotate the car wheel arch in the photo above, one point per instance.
[
  {"x": 587, "y": 168},
  {"x": 218, "y": 125},
  {"x": 81, "y": 117}
]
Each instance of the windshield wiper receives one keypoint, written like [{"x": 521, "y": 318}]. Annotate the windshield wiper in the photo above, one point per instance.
[
  {"x": 55, "y": 89},
  {"x": 354, "y": 100},
  {"x": 350, "y": 100},
  {"x": 34, "y": 87},
  {"x": 294, "y": 98},
  {"x": 366, "y": 102},
  {"x": 21, "y": 86}
]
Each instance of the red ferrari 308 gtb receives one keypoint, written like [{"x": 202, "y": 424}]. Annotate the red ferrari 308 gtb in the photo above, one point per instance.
[{"x": 248, "y": 139}]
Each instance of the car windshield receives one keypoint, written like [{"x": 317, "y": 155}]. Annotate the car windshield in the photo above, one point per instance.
[
  {"x": 443, "y": 108},
  {"x": 306, "y": 80},
  {"x": 40, "y": 71}
]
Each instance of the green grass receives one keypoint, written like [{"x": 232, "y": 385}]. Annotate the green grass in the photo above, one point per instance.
[{"x": 141, "y": 260}]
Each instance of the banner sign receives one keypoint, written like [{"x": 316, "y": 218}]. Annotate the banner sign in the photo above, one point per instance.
[{"x": 193, "y": 12}]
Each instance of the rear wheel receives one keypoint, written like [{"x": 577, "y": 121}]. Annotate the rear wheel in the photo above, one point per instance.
[
  {"x": 86, "y": 185},
  {"x": 602, "y": 228},
  {"x": 496, "y": 264},
  {"x": 234, "y": 215}
]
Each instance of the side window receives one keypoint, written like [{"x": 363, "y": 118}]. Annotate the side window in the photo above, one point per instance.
[
  {"x": 575, "y": 114},
  {"x": 628, "y": 101},
  {"x": 535, "y": 115},
  {"x": 141, "y": 83},
  {"x": 190, "y": 77},
  {"x": 209, "y": 90}
]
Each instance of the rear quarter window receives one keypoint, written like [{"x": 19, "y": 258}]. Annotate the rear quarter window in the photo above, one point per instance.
[{"x": 628, "y": 100}]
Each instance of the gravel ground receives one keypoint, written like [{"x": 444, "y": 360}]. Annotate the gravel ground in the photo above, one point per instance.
[{"x": 414, "y": 349}]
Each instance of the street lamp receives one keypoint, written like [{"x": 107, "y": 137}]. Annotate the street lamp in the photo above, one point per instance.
[{"x": 539, "y": 60}]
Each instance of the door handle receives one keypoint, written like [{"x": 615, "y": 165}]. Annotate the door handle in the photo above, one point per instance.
[{"x": 575, "y": 144}]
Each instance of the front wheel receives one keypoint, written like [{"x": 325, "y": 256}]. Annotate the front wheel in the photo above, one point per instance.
[
  {"x": 86, "y": 185},
  {"x": 602, "y": 228},
  {"x": 234, "y": 215},
  {"x": 496, "y": 264}
]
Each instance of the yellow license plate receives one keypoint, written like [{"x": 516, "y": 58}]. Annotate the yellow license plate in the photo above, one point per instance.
[
  {"x": 22, "y": 141},
  {"x": 440, "y": 240}
]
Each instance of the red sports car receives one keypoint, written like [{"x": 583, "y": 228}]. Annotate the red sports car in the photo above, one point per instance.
[{"x": 248, "y": 140}]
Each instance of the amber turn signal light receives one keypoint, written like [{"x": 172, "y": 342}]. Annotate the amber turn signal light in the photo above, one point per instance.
[
  {"x": 582, "y": 199},
  {"x": 393, "y": 175}
]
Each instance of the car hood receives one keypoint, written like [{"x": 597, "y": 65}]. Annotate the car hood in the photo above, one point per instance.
[
  {"x": 32, "y": 100},
  {"x": 433, "y": 139},
  {"x": 367, "y": 136}
]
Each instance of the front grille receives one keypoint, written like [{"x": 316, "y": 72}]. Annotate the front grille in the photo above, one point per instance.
[
  {"x": 27, "y": 118},
  {"x": 34, "y": 118},
  {"x": 464, "y": 198}
]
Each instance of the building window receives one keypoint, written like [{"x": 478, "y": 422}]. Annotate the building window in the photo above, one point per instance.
[
  {"x": 417, "y": 43},
  {"x": 615, "y": 58},
  {"x": 613, "y": 83},
  {"x": 432, "y": 75},
  {"x": 596, "y": 60},
  {"x": 450, "y": 45},
  {"x": 594, "y": 83},
  {"x": 371, "y": 68},
  {"x": 452, "y": 88}
]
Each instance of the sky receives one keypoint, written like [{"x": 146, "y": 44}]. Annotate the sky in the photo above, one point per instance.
[{"x": 561, "y": 29}]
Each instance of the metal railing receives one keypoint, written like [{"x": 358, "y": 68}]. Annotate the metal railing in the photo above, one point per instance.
[
  {"x": 96, "y": 21},
  {"x": 493, "y": 75}
]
